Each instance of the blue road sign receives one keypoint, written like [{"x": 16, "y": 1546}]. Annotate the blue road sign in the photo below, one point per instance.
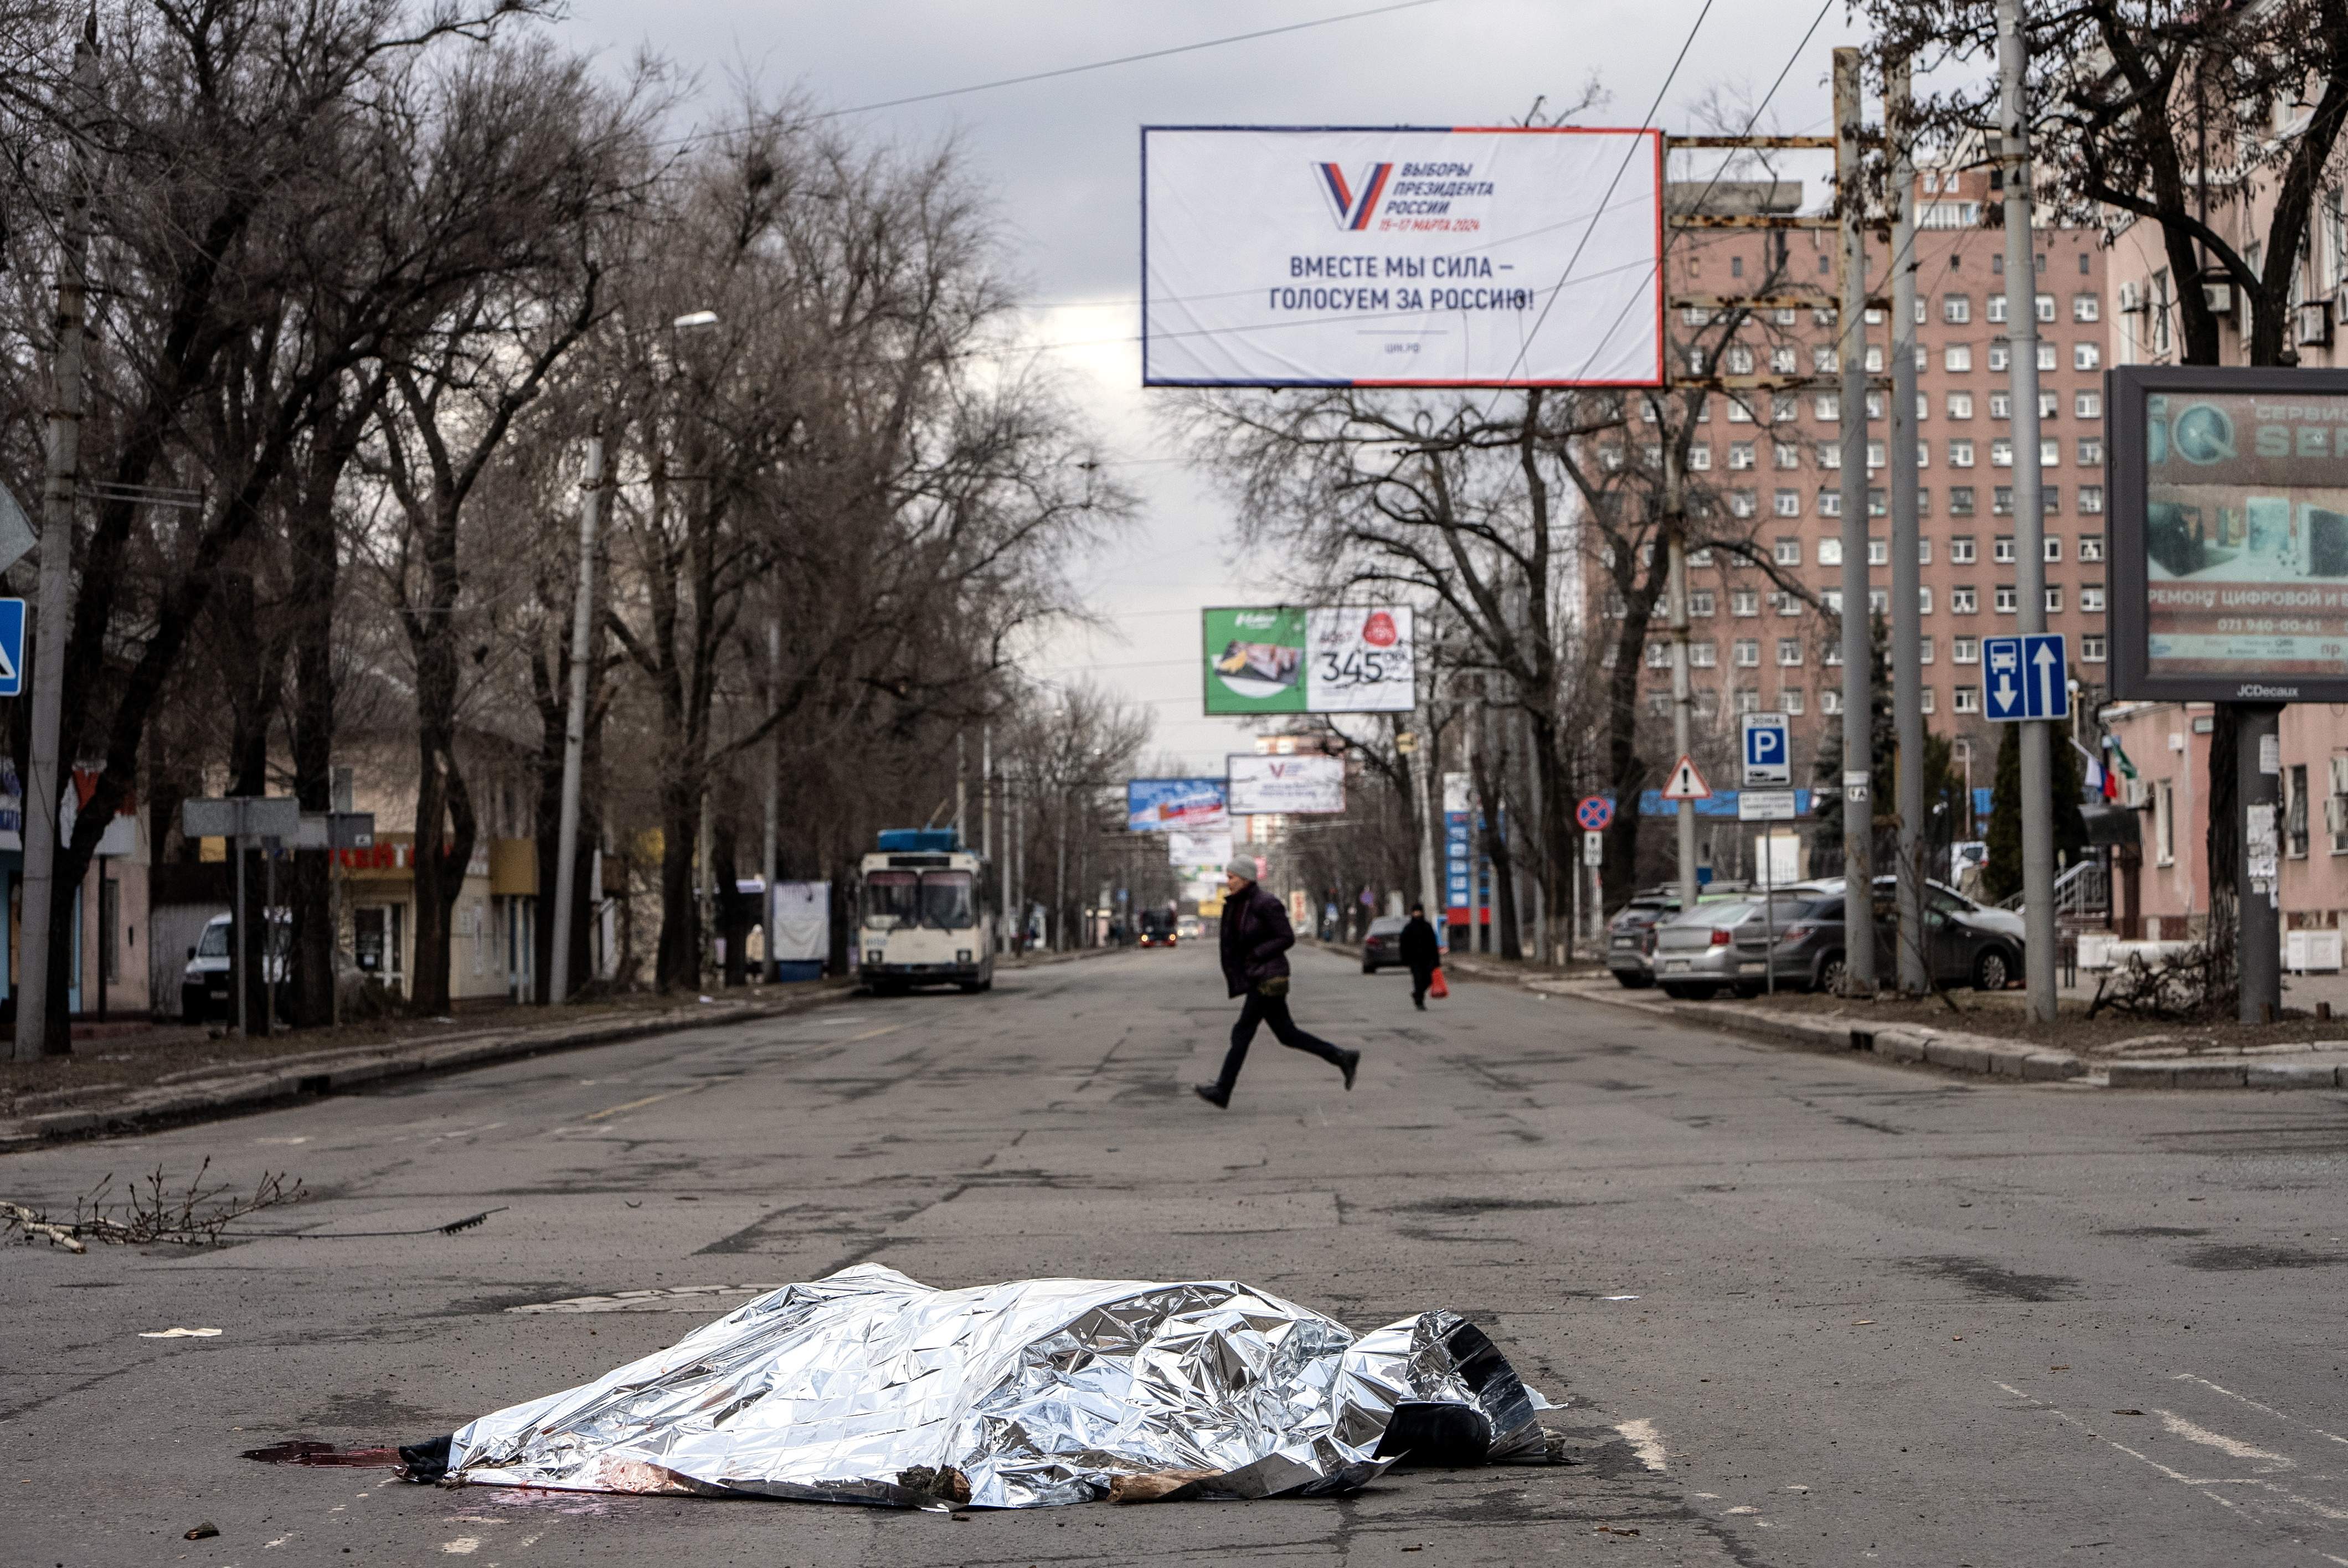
[
  {"x": 2025, "y": 677},
  {"x": 1768, "y": 758},
  {"x": 11, "y": 647}
]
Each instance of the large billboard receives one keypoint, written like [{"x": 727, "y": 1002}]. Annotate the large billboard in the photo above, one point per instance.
[
  {"x": 1401, "y": 256},
  {"x": 1306, "y": 783},
  {"x": 2230, "y": 533},
  {"x": 1329, "y": 658},
  {"x": 1171, "y": 805},
  {"x": 1199, "y": 850}
]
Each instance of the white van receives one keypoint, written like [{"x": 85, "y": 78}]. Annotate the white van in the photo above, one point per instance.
[{"x": 204, "y": 984}]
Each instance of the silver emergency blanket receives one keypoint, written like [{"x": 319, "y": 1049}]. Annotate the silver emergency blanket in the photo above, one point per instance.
[{"x": 870, "y": 1387}]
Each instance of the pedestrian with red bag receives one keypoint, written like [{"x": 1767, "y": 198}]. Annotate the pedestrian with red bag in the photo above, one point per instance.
[{"x": 1423, "y": 956}]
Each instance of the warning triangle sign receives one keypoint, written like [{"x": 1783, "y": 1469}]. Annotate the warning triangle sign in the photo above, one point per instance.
[{"x": 1686, "y": 783}]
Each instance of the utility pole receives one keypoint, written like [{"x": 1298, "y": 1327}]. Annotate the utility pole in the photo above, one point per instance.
[
  {"x": 770, "y": 867},
  {"x": 44, "y": 778},
  {"x": 961, "y": 791},
  {"x": 574, "y": 728},
  {"x": 1907, "y": 577},
  {"x": 986, "y": 821},
  {"x": 1858, "y": 651},
  {"x": 1467, "y": 727},
  {"x": 1430, "y": 807},
  {"x": 2029, "y": 527},
  {"x": 1682, "y": 696}
]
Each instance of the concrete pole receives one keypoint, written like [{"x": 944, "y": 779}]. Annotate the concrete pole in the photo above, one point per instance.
[
  {"x": 986, "y": 826},
  {"x": 43, "y": 779},
  {"x": 1682, "y": 697},
  {"x": 1430, "y": 811},
  {"x": 2258, "y": 953},
  {"x": 770, "y": 864},
  {"x": 1907, "y": 576},
  {"x": 1058, "y": 924},
  {"x": 574, "y": 728},
  {"x": 962, "y": 792},
  {"x": 2029, "y": 527},
  {"x": 1857, "y": 649},
  {"x": 1475, "y": 830}
]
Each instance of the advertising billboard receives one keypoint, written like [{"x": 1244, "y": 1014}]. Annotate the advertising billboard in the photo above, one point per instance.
[
  {"x": 1203, "y": 851},
  {"x": 1304, "y": 784},
  {"x": 2228, "y": 534},
  {"x": 1328, "y": 659},
  {"x": 1170, "y": 806},
  {"x": 1401, "y": 256}
]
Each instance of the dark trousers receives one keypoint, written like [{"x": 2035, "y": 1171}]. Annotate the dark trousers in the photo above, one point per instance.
[
  {"x": 1273, "y": 1010},
  {"x": 1419, "y": 980}
]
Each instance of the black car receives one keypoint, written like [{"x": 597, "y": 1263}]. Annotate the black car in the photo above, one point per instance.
[
  {"x": 1383, "y": 945},
  {"x": 1967, "y": 944}
]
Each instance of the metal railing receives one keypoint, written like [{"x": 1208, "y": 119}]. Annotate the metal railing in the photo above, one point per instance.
[{"x": 2081, "y": 889}]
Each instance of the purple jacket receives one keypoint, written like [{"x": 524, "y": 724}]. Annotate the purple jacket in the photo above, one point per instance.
[{"x": 1256, "y": 937}]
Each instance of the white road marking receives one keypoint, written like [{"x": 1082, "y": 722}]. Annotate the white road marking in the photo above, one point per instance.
[
  {"x": 2221, "y": 1442},
  {"x": 1645, "y": 1442},
  {"x": 639, "y": 1104},
  {"x": 2265, "y": 1410},
  {"x": 274, "y": 1546},
  {"x": 463, "y": 1546}
]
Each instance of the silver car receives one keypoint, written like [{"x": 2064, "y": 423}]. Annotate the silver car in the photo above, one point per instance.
[{"x": 1720, "y": 946}]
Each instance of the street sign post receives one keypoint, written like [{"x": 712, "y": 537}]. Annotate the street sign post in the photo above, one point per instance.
[
  {"x": 241, "y": 819},
  {"x": 1768, "y": 760},
  {"x": 1594, "y": 849},
  {"x": 2025, "y": 677},
  {"x": 1765, "y": 806},
  {"x": 11, "y": 647}
]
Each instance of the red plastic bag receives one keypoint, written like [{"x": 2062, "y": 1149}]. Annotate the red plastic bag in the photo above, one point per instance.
[{"x": 1437, "y": 987}]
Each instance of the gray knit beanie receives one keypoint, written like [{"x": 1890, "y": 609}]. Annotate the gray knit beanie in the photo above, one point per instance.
[{"x": 1243, "y": 867}]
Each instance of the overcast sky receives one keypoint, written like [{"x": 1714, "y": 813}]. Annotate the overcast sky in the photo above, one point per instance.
[{"x": 1061, "y": 159}]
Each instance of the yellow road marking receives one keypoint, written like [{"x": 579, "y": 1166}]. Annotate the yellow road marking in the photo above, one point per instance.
[{"x": 873, "y": 1034}]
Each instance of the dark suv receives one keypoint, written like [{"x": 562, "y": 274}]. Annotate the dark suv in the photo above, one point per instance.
[{"x": 1967, "y": 943}]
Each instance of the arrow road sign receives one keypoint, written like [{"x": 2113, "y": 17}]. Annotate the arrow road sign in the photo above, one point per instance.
[
  {"x": 11, "y": 647},
  {"x": 1686, "y": 783},
  {"x": 2025, "y": 677},
  {"x": 1768, "y": 758},
  {"x": 1594, "y": 813}
]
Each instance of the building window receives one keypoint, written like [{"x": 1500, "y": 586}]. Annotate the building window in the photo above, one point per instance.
[
  {"x": 1960, "y": 500},
  {"x": 1996, "y": 301},
  {"x": 1956, "y": 309},
  {"x": 1874, "y": 456},
  {"x": 1830, "y": 454},
  {"x": 1924, "y": 600},
  {"x": 1923, "y": 399},
  {"x": 1875, "y": 356},
  {"x": 2091, "y": 452},
  {"x": 2000, "y": 405},
  {"x": 2091, "y": 598},
  {"x": 2086, "y": 356},
  {"x": 1747, "y": 652},
  {"x": 2000, "y": 452},
  {"x": 1960, "y": 549},
  {"x": 2051, "y": 546},
  {"x": 1659, "y": 654},
  {"x": 1999, "y": 358},
  {"x": 1700, "y": 600},
  {"x": 2088, "y": 405},
  {"x": 1830, "y": 502},
  {"x": 1740, "y": 455},
  {"x": 1701, "y": 656},
  {"x": 1786, "y": 454},
  {"x": 1824, "y": 361},
  {"x": 2002, "y": 551},
  {"x": 2294, "y": 811},
  {"x": 1961, "y": 454},
  {"x": 1927, "y": 695},
  {"x": 1961, "y": 405},
  {"x": 1964, "y": 649},
  {"x": 1743, "y": 504},
  {"x": 1957, "y": 356},
  {"x": 1830, "y": 551},
  {"x": 2054, "y": 600},
  {"x": 2000, "y": 501},
  {"x": 1789, "y": 605},
  {"x": 1700, "y": 556},
  {"x": 1876, "y": 505},
  {"x": 2050, "y": 405},
  {"x": 2050, "y": 499},
  {"x": 1923, "y": 541},
  {"x": 2091, "y": 650},
  {"x": 1879, "y": 552},
  {"x": 1923, "y": 453},
  {"x": 1830, "y": 701},
  {"x": 1831, "y": 598},
  {"x": 2005, "y": 599},
  {"x": 1659, "y": 703},
  {"x": 1699, "y": 458},
  {"x": 1743, "y": 601},
  {"x": 1749, "y": 701},
  {"x": 1924, "y": 645},
  {"x": 2335, "y": 809},
  {"x": 1792, "y": 701},
  {"x": 1782, "y": 360},
  {"x": 2091, "y": 499},
  {"x": 2091, "y": 547},
  {"x": 1787, "y": 552},
  {"x": 1879, "y": 601},
  {"x": 2050, "y": 453},
  {"x": 1789, "y": 653},
  {"x": 1966, "y": 700},
  {"x": 2086, "y": 308},
  {"x": 1963, "y": 600},
  {"x": 1827, "y": 409},
  {"x": 2163, "y": 822},
  {"x": 2042, "y": 304}
]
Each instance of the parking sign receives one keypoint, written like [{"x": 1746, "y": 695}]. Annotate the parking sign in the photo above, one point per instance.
[{"x": 1768, "y": 760}]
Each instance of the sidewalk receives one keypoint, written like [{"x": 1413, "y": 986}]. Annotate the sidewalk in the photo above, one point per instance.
[{"x": 220, "y": 1088}]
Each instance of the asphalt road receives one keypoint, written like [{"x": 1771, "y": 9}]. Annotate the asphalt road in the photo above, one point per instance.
[{"x": 1805, "y": 1309}]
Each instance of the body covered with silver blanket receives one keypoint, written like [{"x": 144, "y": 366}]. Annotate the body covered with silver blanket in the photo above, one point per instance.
[{"x": 869, "y": 1387}]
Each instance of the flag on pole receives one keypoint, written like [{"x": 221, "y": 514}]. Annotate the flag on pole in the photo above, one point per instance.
[{"x": 2098, "y": 779}]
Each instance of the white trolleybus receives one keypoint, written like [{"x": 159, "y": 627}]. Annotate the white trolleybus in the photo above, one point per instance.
[{"x": 921, "y": 914}]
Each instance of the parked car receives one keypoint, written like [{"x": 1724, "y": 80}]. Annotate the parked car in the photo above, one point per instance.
[
  {"x": 1630, "y": 935},
  {"x": 1383, "y": 944},
  {"x": 205, "y": 984},
  {"x": 1187, "y": 928},
  {"x": 1968, "y": 944}
]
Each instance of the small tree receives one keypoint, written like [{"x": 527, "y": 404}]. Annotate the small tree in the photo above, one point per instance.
[{"x": 2002, "y": 875}]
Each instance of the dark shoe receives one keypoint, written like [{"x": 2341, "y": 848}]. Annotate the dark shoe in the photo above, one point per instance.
[
  {"x": 1220, "y": 1098},
  {"x": 1418, "y": 1002},
  {"x": 1348, "y": 1061}
]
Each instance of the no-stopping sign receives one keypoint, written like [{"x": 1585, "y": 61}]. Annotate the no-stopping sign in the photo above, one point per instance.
[{"x": 1594, "y": 813}]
